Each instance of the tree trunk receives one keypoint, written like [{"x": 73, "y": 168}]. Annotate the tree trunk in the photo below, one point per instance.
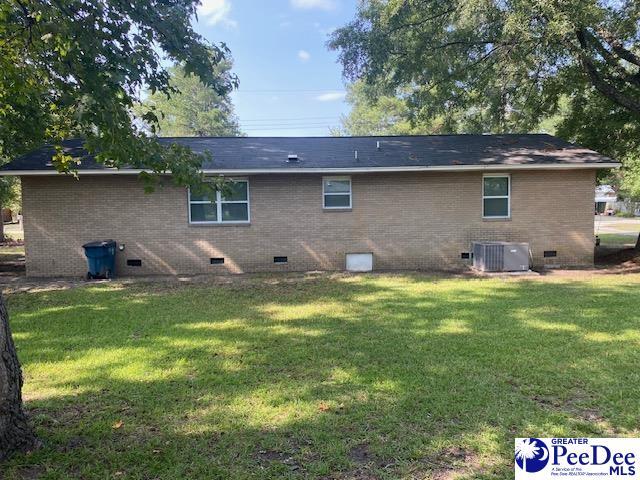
[
  {"x": 1, "y": 225},
  {"x": 638, "y": 243},
  {"x": 15, "y": 433}
]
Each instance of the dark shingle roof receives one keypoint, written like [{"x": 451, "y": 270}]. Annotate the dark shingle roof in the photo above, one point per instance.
[{"x": 270, "y": 153}]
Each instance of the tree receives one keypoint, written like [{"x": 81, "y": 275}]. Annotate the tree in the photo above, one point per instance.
[
  {"x": 76, "y": 68},
  {"x": 9, "y": 195},
  {"x": 15, "y": 431},
  {"x": 595, "y": 121},
  {"x": 494, "y": 66},
  {"x": 194, "y": 109},
  {"x": 513, "y": 59},
  {"x": 373, "y": 113}
]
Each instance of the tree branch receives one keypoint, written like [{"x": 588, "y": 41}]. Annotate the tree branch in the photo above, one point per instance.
[
  {"x": 600, "y": 83},
  {"x": 421, "y": 22},
  {"x": 587, "y": 38},
  {"x": 618, "y": 48},
  {"x": 27, "y": 18}
]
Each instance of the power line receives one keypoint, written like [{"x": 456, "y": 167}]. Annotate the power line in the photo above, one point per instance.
[
  {"x": 285, "y": 128},
  {"x": 289, "y": 119},
  {"x": 288, "y": 124},
  {"x": 301, "y": 93},
  {"x": 292, "y": 90}
]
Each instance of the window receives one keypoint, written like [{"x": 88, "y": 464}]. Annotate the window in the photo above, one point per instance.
[
  {"x": 232, "y": 208},
  {"x": 496, "y": 192},
  {"x": 336, "y": 192}
]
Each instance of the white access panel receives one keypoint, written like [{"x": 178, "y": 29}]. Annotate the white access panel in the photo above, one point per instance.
[{"x": 359, "y": 262}]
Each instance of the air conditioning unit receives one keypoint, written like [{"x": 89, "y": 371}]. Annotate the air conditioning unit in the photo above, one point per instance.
[{"x": 500, "y": 256}]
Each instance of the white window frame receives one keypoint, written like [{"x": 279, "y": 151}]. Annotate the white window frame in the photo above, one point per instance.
[
  {"x": 324, "y": 194},
  {"x": 508, "y": 196},
  {"x": 219, "y": 201}
]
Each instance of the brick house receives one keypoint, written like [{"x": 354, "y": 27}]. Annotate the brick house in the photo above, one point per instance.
[{"x": 306, "y": 203}]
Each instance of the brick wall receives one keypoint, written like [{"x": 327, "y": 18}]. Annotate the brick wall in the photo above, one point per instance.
[{"x": 408, "y": 221}]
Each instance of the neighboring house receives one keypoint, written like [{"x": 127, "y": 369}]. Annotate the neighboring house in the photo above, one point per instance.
[
  {"x": 413, "y": 202},
  {"x": 605, "y": 198}
]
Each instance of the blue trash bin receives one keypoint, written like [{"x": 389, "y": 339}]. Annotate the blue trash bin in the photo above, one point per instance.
[{"x": 101, "y": 257}]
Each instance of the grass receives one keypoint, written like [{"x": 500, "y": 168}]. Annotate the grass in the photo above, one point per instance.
[
  {"x": 10, "y": 252},
  {"x": 14, "y": 231},
  {"x": 11, "y": 258},
  {"x": 619, "y": 225},
  {"x": 625, "y": 215},
  {"x": 380, "y": 376},
  {"x": 618, "y": 239}
]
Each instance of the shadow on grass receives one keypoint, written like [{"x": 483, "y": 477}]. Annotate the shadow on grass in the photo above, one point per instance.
[{"x": 356, "y": 377}]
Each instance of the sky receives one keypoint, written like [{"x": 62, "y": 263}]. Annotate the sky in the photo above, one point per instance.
[{"x": 290, "y": 83}]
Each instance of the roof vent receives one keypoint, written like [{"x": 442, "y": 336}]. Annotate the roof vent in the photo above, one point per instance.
[
  {"x": 378, "y": 145},
  {"x": 292, "y": 157}
]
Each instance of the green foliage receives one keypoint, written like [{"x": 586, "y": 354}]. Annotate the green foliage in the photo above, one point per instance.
[
  {"x": 10, "y": 193},
  {"x": 570, "y": 67},
  {"x": 193, "y": 109},
  {"x": 373, "y": 113},
  {"x": 76, "y": 68},
  {"x": 507, "y": 63},
  {"x": 595, "y": 121}
]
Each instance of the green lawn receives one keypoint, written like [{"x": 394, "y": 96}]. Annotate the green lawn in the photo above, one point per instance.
[
  {"x": 14, "y": 231},
  {"x": 618, "y": 239},
  {"x": 11, "y": 253},
  {"x": 386, "y": 376}
]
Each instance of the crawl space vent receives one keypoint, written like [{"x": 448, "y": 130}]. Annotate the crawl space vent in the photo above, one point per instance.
[
  {"x": 359, "y": 262},
  {"x": 134, "y": 262}
]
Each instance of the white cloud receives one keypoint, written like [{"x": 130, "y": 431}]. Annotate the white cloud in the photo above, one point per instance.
[
  {"x": 304, "y": 56},
  {"x": 331, "y": 96},
  {"x": 215, "y": 12},
  {"x": 309, "y": 4}
]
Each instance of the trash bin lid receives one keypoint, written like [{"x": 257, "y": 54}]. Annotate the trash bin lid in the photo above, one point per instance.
[{"x": 99, "y": 243}]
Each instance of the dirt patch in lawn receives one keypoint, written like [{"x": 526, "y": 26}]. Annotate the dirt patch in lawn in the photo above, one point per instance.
[
  {"x": 265, "y": 457},
  {"x": 360, "y": 454},
  {"x": 448, "y": 464},
  {"x": 623, "y": 261},
  {"x": 576, "y": 408},
  {"x": 607, "y": 262}
]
